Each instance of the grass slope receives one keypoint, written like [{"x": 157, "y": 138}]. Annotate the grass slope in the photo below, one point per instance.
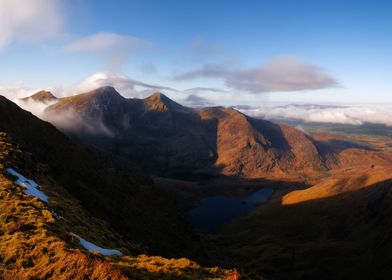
[{"x": 36, "y": 245}]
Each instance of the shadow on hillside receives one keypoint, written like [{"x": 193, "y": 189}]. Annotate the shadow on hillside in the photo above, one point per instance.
[
  {"x": 347, "y": 236},
  {"x": 339, "y": 145}
]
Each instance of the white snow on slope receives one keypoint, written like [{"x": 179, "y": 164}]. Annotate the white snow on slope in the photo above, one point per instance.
[
  {"x": 92, "y": 247},
  {"x": 57, "y": 216},
  {"x": 31, "y": 187}
]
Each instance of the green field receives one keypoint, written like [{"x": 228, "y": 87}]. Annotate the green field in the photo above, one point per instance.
[{"x": 374, "y": 136}]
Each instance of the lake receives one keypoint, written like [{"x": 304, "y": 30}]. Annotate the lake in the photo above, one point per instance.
[{"x": 214, "y": 211}]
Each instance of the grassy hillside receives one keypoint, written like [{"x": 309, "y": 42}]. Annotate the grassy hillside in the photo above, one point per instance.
[{"x": 34, "y": 244}]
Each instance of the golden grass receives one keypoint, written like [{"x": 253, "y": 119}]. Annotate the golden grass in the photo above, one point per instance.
[
  {"x": 29, "y": 249},
  {"x": 144, "y": 267},
  {"x": 358, "y": 169},
  {"x": 36, "y": 245}
]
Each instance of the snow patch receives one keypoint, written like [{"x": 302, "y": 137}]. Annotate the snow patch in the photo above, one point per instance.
[
  {"x": 92, "y": 247},
  {"x": 57, "y": 216},
  {"x": 31, "y": 187}
]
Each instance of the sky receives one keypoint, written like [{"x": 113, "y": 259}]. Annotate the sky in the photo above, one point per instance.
[{"x": 201, "y": 52}]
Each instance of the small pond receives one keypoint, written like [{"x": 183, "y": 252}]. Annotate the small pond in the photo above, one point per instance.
[{"x": 214, "y": 211}]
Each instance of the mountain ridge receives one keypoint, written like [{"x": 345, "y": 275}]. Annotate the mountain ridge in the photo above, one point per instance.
[{"x": 201, "y": 135}]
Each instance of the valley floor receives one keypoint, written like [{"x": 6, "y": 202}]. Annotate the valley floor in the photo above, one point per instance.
[{"x": 334, "y": 227}]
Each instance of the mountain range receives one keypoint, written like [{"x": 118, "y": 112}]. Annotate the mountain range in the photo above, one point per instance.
[
  {"x": 119, "y": 173},
  {"x": 168, "y": 139}
]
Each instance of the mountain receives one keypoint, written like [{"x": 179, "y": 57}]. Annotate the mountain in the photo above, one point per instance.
[
  {"x": 333, "y": 227},
  {"x": 41, "y": 96},
  {"x": 67, "y": 201},
  {"x": 327, "y": 217},
  {"x": 168, "y": 139}
]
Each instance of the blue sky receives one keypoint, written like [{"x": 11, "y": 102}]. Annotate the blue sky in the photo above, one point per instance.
[{"x": 228, "y": 52}]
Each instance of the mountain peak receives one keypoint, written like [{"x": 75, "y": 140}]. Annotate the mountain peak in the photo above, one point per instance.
[
  {"x": 103, "y": 98},
  {"x": 160, "y": 102},
  {"x": 104, "y": 91},
  {"x": 41, "y": 96},
  {"x": 104, "y": 95},
  {"x": 157, "y": 95}
]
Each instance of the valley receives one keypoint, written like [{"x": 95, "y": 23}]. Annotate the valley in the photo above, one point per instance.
[
  {"x": 225, "y": 191},
  {"x": 195, "y": 140}
]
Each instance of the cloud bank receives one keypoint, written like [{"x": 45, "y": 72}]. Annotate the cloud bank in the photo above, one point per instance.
[
  {"x": 17, "y": 90},
  {"x": 353, "y": 115},
  {"x": 29, "y": 21},
  {"x": 282, "y": 74}
]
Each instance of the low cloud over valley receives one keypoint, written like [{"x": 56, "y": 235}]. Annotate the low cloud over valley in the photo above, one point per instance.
[{"x": 353, "y": 115}]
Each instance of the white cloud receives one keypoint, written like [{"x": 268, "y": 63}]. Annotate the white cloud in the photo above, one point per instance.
[
  {"x": 114, "y": 47},
  {"x": 36, "y": 108},
  {"x": 125, "y": 85},
  {"x": 354, "y": 115},
  {"x": 106, "y": 41},
  {"x": 29, "y": 21},
  {"x": 17, "y": 90}
]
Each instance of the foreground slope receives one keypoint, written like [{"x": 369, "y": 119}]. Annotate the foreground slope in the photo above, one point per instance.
[
  {"x": 169, "y": 139},
  {"x": 36, "y": 243}
]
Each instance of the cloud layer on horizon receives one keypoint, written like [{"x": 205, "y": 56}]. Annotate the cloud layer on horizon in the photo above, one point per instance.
[{"x": 353, "y": 115}]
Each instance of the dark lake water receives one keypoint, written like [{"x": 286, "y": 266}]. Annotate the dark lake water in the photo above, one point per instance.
[{"x": 214, "y": 211}]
